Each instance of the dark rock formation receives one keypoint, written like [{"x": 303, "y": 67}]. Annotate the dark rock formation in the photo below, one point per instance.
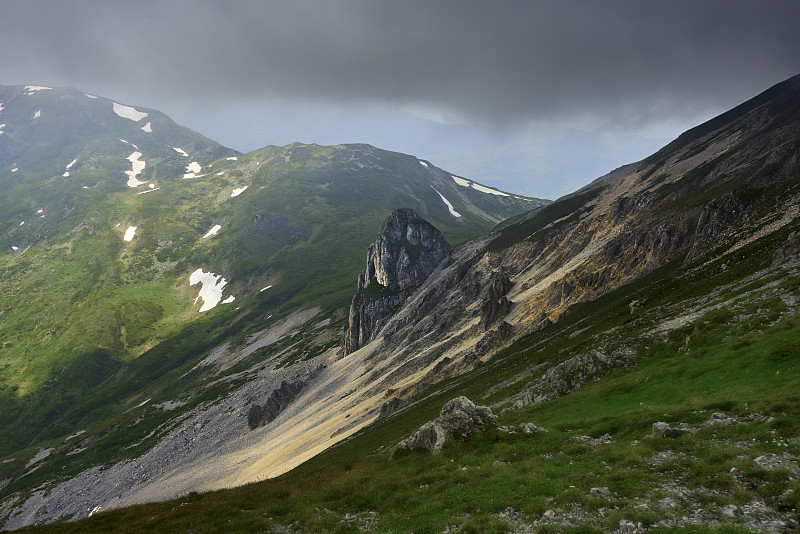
[
  {"x": 636, "y": 305},
  {"x": 495, "y": 304},
  {"x": 390, "y": 406},
  {"x": 788, "y": 250},
  {"x": 278, "y": 400},
  {"x": 459, "y": 419},
  {"x": 406, "y": 252}
]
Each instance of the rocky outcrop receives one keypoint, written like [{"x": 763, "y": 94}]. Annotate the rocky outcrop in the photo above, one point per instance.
[
  {"x": 459, "y": 419},
  {"x": 280, "y": 398},
  {"x": 790, "y": 249},
  {"x": 495, "y": 303},
  {"x": 406, "y": 252},
  {"x": 577, "y": 371}
]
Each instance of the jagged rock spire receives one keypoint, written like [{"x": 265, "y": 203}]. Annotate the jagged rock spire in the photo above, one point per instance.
[{"x": 406, "y": 252}]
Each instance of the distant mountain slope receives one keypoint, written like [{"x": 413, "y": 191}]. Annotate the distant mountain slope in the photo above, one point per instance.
[{"x": 62, "y": 151}]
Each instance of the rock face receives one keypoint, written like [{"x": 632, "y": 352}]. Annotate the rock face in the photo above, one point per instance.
[
  {"x": 495, "y": 303},
  {"x": 788, "y": 250},
  {"x": 406, "y": 252},
  {"x": 278, "y": 400},
  {"x": 459, "y": 419}
]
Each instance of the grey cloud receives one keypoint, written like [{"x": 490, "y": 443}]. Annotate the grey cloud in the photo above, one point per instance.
[{"x": 498, "y": 62}]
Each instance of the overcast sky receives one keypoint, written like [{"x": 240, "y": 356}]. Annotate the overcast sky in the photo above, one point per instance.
[{"x": 496, "y": 67}]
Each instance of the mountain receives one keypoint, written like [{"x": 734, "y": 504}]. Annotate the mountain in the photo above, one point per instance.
[
  {"x": 149, "y": 271},
  {"x": 636, "y": 341}
]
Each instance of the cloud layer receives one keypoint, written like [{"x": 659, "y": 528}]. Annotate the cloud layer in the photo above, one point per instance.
[{"x": 494, "y": 62}]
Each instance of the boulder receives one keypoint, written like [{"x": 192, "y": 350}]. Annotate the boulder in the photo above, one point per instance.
[
  {"x": 458, "y": 419},
  {"x": 663, "y": 430},
  {"x": 530, "y": 428},
  {"x": 719, "y": 418}
]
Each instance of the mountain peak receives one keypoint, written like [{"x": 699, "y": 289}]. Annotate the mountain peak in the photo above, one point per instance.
[{"x": 406, "y": 252}]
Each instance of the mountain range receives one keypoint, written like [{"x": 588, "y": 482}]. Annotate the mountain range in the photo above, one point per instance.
[{"x": 182, "y": 318}]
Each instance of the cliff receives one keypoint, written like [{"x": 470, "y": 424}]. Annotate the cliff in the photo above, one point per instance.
[{"x": 406, "y": 252}]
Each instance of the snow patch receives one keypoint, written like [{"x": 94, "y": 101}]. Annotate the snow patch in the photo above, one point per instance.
[
  {"x": 181, "y": 152},
  {"x": 23, "y": 222},
  {"x": 423, "y": 164},
  {"x": 1, "y": 128},
  {"x": 69, "y": 166},
  {"x": 453, "y": 212},
  {"x": 129, "y": 233},
  {"x": 127, "y": 112},
  {"x": 238, "y": 191},
  {"x": 1, "y": 106},
  {"x": 147, "y": 128},
  {"x": 148, "y": 190},
  {"x": 191, "y": 170},
  {"x": 41, "y": 455},
  {"x": 232, "y": 158},
  {"x": 214, "y": 229},
  {"x": 137, "y": 166},
  {"x": 89, "y": 96},
  {"x": 40, "y": 210},
  {"x": 37, "y": 114},
  {"x": 75, "y": 435},
  {"x": 460, "y": 181},
  {"x": 17, "y": 248},
  {"x": 483, "y": 189},
  {"x": 14, "y": 169},
  {"x": 228, "y": 300},
  {"x": 265, "y": 288},
  {"x": 30, "y": 89},
  {"x": 211, "y": 286}
]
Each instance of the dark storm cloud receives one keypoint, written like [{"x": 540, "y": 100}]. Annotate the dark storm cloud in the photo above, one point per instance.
[{"x": 499, "y": 62}]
